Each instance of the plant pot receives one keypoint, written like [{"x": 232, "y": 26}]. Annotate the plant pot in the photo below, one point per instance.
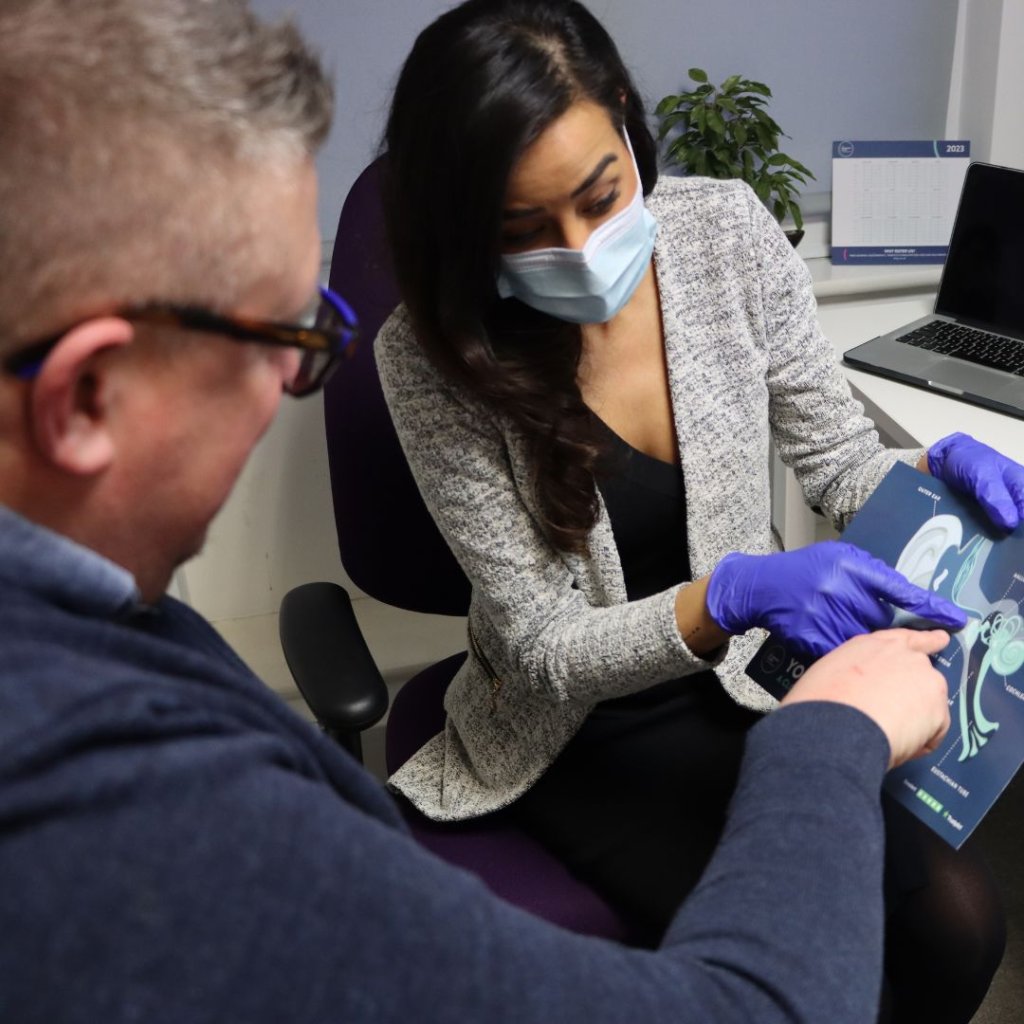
[{"x": 795, "y": 236}]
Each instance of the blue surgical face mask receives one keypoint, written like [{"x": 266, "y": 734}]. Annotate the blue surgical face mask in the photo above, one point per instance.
[{"x": 588, "y": 285}]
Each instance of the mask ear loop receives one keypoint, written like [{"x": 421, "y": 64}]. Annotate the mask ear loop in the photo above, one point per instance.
[{"x": 632, "y": 156}]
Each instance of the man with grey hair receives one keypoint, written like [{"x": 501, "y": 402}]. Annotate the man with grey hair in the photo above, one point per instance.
[{"x": 175, "y": 845}]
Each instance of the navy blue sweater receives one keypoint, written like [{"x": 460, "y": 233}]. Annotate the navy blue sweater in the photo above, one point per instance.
[{"x": 177, "y": 846}]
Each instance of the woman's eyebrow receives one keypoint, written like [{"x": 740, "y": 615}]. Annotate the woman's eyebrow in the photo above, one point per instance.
[
  {"x": 588, "y": 182},
  {"x": 596, "y": 173}
]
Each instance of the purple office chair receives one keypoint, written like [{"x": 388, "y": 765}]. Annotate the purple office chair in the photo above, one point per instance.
[{"x": 392, "y": 550}]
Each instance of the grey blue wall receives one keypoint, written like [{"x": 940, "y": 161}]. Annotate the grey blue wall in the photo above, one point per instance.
[{"x": 837, "y": 68}]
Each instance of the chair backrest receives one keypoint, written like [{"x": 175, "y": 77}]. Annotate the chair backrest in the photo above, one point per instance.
[
  {"x": 389, "y": 544},
  {"x": 391, "y": 549}
]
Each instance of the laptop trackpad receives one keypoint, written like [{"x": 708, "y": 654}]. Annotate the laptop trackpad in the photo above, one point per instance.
[
  {"x": 975, "y": 380},
  {"x": 954, "y": 375}
]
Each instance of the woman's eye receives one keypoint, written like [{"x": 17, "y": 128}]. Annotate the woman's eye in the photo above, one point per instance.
[
  {"x": 515, "y": 238},
  {"x": 604, "y": 204}
]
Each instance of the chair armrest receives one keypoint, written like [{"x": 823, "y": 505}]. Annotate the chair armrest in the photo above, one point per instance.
[{"x": 330, "y": 662}]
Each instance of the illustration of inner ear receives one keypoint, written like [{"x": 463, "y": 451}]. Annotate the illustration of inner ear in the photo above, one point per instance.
[{"x": 934, "y": 559}]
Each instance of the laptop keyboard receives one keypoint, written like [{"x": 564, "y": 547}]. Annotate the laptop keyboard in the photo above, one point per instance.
[{"x": 969, "y": 343}]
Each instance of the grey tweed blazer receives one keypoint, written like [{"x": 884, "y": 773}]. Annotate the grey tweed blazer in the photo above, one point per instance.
[{"x": 552, "y": 634}]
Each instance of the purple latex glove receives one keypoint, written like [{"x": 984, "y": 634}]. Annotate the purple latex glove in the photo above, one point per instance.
[
  {"x": 817, "y": 597},
  {"x": 993, "y": 480}
]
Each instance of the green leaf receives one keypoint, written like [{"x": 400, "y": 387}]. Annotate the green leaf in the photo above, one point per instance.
[
  {"x": 681, "y": 153},
  {"x": 800, "y": 167},
  {"x": 727, "y": 104},
  {"x": 714, "y": 120},
  {"x": 698, "y": 75},
  {"x": 671, "y": 120},
  {"x": 667, "y": 103},
  {"x": 758, "y": 87},
  {"x": 739, "y": 133},
  {"x": 767, "y": 121},
  {"x": 690, "y": 158},
  {"x": 730, "y": 83},
  {"x": 794, "y": 175},
  {"x": 794, "y": 212}
]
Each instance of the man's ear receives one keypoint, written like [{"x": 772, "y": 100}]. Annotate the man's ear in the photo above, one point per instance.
[{"x": 71, "y": 394}]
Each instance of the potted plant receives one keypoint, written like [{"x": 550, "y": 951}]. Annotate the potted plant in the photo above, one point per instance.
[{"x": 725, "y": 132}]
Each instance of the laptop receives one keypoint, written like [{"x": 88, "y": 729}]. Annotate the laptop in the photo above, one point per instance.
[{"x": 972, "y": 346}]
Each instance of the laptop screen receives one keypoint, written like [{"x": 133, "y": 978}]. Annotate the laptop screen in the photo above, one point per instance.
[{"x": 983, "y": 280}]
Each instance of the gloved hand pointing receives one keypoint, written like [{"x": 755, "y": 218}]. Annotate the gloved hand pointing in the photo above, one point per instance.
[
  {"x": 995, "y": 482},
  {"x": 817, "y": 597}
]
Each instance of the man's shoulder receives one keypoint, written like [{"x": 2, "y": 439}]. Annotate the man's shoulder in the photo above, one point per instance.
[
  {"x": 116, "y": 694},
  {"x": 103, "y": 722},
  {"x": 154, "y": 833}
]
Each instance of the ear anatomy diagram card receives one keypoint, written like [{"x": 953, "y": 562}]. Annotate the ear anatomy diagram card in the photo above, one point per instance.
[{"x": 941, "y": 540}]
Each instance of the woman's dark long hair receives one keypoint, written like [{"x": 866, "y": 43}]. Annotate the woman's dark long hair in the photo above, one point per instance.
[{"x": 480, "y": 85}]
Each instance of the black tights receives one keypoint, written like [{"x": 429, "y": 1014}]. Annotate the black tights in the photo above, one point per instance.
[
  {"x": 945, "y": 934},
  {"x": 635, "y": 805}
]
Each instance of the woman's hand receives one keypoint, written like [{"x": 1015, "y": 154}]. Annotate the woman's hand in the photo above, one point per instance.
[
  {"x": 993, "y": 480},
  {"x": 819, "y": 596}
]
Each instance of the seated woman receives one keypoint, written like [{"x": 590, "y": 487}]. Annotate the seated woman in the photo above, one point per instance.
[{"x": 586, "y": 371}]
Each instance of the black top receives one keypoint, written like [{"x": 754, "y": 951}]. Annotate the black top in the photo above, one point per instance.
[{"x": 646, "y": 502}]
